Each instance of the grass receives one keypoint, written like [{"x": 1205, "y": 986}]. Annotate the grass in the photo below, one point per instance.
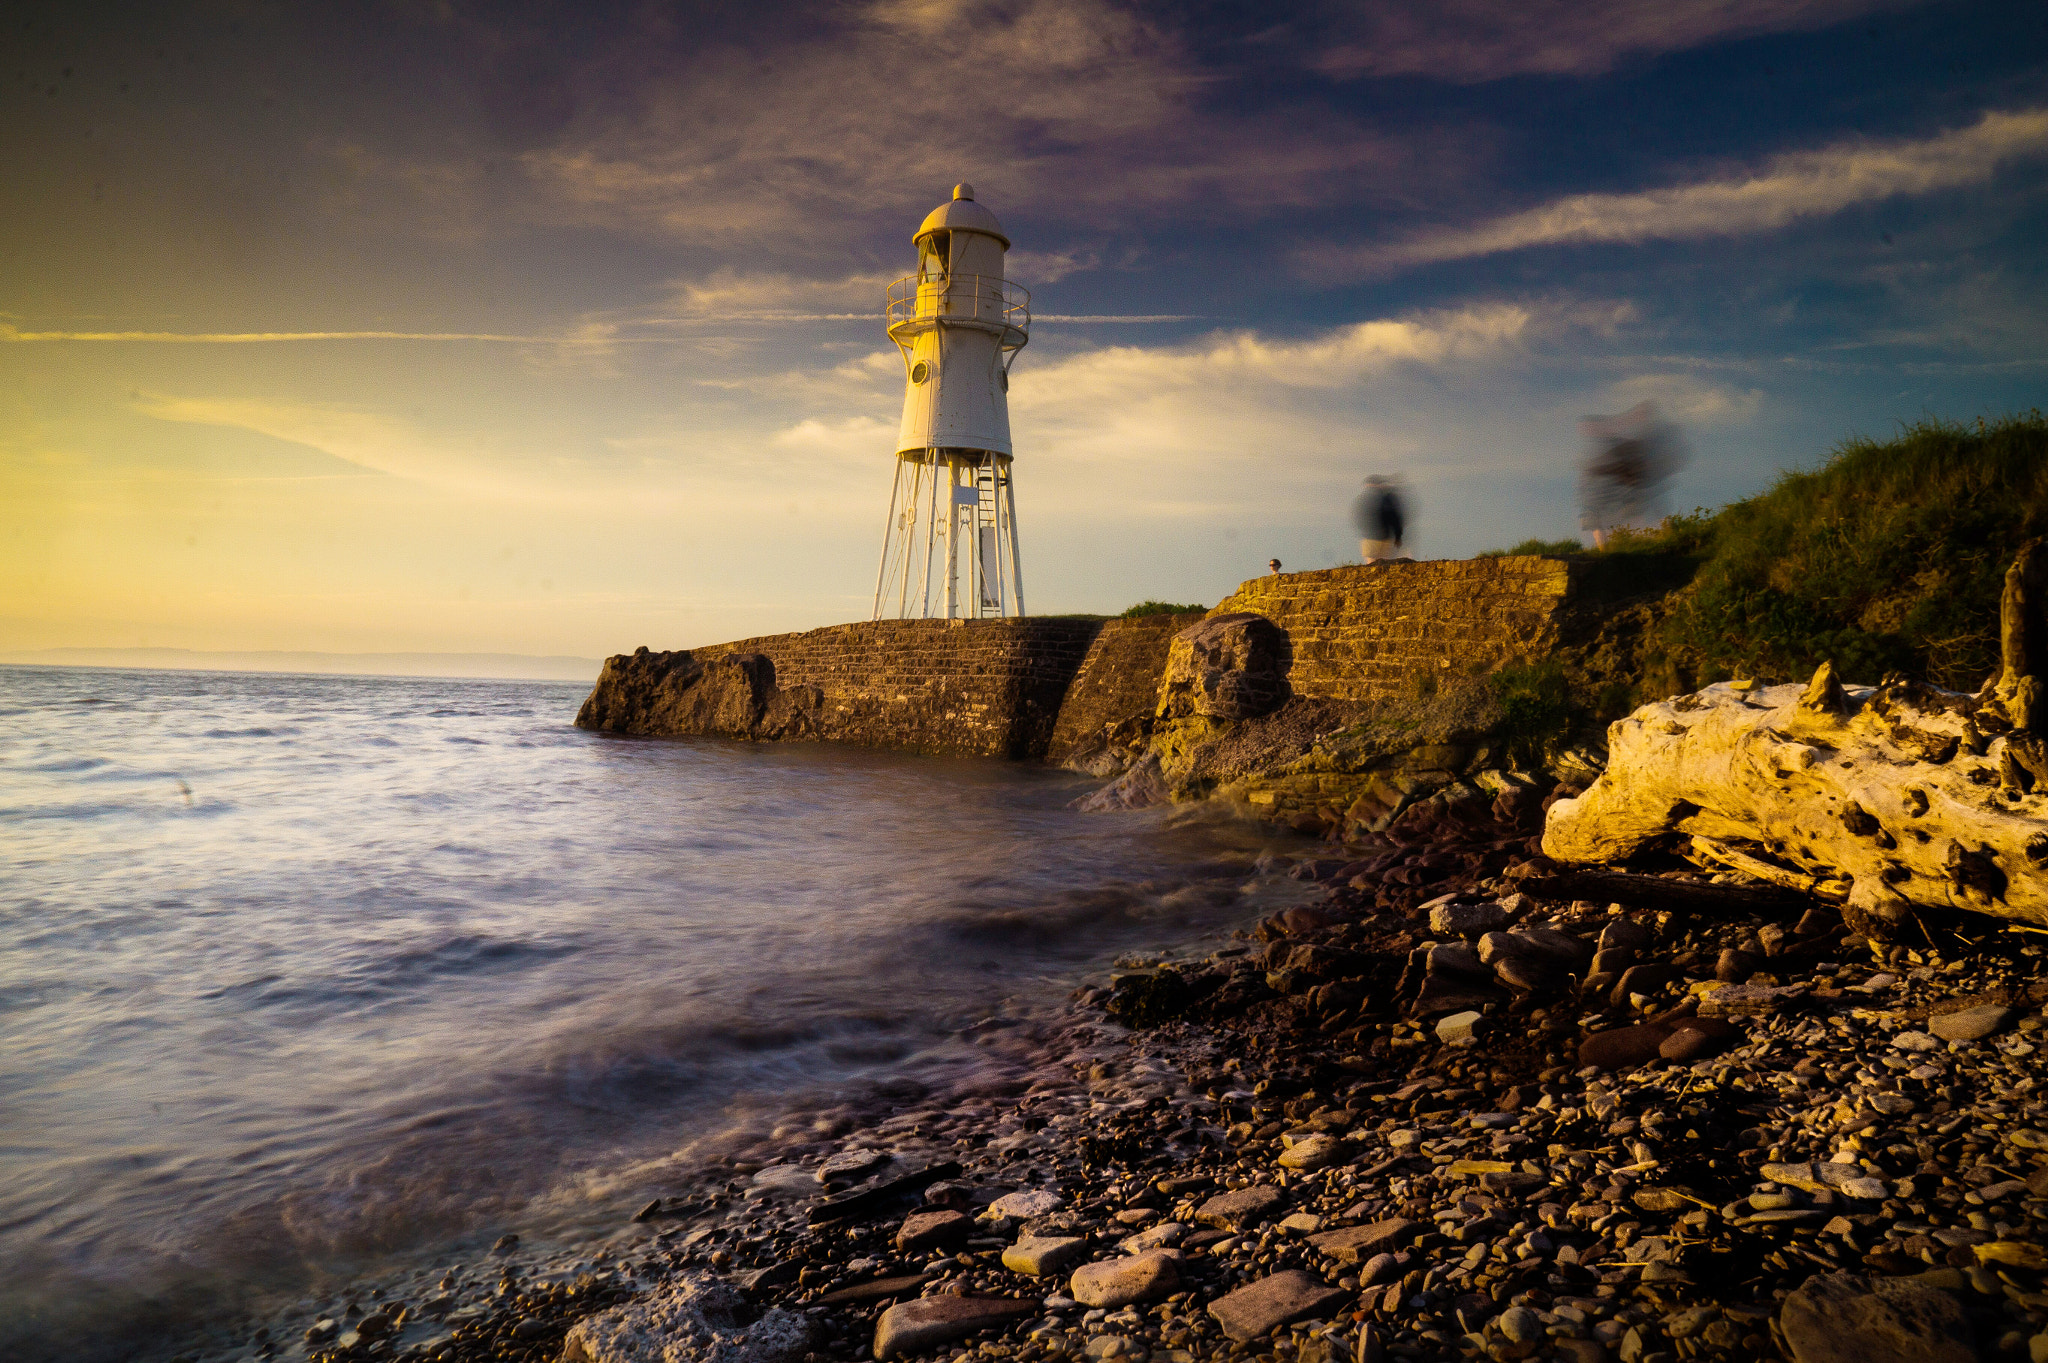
[
  {"x": 1536, "y": 547},
  {"x": 1888, "y": 556},
  {"x": 1157, "y": 608}
]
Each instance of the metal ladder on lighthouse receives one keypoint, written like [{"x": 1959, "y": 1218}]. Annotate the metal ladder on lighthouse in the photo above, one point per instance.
[{"x": 988, "y": 556}]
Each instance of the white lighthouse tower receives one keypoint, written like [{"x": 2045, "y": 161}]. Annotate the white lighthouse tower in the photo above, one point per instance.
[{"x": 950, "y": 548}]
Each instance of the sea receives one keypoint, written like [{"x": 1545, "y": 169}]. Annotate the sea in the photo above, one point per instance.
[{"x": 306, "y": 978}]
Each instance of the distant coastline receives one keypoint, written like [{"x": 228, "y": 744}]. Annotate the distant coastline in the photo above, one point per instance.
[{"x": 500, "y": 666}]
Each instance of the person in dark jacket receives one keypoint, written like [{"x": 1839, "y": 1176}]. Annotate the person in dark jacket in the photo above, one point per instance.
[{"x": 1382, "y": 520}]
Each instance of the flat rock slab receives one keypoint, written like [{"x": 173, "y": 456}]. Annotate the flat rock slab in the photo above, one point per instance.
[
  {"x": 1971, "y": 1024},
  {"x": 1313, "y": 1152},
  {"x": 1354, "y": 1244},
  {"x": 1624, "y": 1048},
  {"x": 880, "y": 1289},
  {"x": 929, "y": 1230},
  {"x": 912, "y": 1327},
  {"x": 1827, "y": 1176},
  {"x": 1116, "y": 1283},
  {"x": 1032, "y": 1202},
  {"x": 1039, "y": 1256},
  {"x": 1262, "y": 1307},
  {"x": 1242, "y": 1208},
  {"x": 693, "y": 1317},
  {"x": 1841, "y": 1318},
  {"x": 855, "y": 1163}
]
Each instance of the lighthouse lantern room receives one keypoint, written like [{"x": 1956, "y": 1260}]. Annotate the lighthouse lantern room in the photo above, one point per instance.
[{"x": 950, "y": 546}]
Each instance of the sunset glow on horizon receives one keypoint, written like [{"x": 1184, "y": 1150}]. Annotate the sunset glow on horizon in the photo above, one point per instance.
[{"x": 557, "y": 330}]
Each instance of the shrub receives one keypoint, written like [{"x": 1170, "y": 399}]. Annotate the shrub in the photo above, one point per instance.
[{"x": 1158, "y": 608}]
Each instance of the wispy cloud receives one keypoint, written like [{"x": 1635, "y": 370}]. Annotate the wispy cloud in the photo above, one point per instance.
[
  {"x": 1789, "y": 188},
  {"x": 1470, "y": 41},
  {"x": 8, "y": 333}
]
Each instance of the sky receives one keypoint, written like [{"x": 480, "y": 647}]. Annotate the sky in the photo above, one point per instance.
[{"x": 554, "y": 329}]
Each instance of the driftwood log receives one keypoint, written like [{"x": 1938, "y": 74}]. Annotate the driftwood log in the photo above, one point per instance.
[{"x": 1884, "y": 799}]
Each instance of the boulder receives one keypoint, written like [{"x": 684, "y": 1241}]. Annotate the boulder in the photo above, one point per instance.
[
  {"x": 1227, "y": 667},
  {"x": 693, "y": 1315},
  {"x": 915, "y": 1327},
  {"x": 1842, "y": 1318}
]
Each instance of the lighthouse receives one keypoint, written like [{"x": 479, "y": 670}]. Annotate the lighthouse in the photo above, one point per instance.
[{"x": 950, "y": 546}]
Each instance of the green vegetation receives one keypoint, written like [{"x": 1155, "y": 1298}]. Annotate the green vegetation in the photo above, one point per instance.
[
  {"x": 1157, "y": 608},
  {"x": 1888, "y": 556},
  {"x": 1536, "y": 547},
  {"x": 1537, "y": 709}
]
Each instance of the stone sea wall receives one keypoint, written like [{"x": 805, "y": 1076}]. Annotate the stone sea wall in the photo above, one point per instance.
[
  {"x": 1367, "y": 632},
  {"x": 980, "y": 688},
  {"x": 1081, "y": 693}
]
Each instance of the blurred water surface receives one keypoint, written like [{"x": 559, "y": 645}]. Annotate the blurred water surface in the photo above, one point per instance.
[{"x": 303, "y": 974}]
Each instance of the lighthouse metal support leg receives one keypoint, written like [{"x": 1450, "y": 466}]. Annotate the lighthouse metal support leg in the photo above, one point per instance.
[
  {"x": 888, "y": 537},
  {"x": 952, "y": 540},
  {"x": 1016, "y": 557}
]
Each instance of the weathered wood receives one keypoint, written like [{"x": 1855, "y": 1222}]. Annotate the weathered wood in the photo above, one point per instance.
[
  {"x": 1655, "y": 892},
  {"x": 1888, "y": 798}
]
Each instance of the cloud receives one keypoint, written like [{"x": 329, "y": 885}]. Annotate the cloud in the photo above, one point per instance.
[
  {"x": 1470, "y": 41},
  {"x": 9, "y": 333},
  {"x": 1790, "y": 187},
  {"x": 1083, "y": 109}
]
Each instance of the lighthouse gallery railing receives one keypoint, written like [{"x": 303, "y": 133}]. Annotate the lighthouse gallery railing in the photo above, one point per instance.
[{"x": 963, "y": 299}]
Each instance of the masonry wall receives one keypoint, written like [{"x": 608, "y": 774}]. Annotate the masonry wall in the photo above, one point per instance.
[
  {"x": 1110, "y": 703},
  {"x": 989, "y": 688},
  {"x": 1366, "y": 632},
  {"x": 1069, "y": 690}
]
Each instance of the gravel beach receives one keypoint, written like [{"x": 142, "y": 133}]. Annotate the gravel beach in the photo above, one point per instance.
[{"x": 1437, "y": 1111}]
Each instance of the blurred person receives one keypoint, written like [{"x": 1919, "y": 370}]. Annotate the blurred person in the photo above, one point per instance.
[
  {"x": 1382, "y": 520},
  {"x": 1629, "y": 459},
  {"x": 1274, "y": 564}
]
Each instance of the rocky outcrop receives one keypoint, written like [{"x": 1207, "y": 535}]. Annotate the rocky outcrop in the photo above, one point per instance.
[
  {"x": 1230, "y": 666},
  {"x": 1886, "y": 798}
]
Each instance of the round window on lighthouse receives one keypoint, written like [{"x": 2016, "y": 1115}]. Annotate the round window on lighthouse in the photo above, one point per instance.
[{"x": 920, "y": 371}]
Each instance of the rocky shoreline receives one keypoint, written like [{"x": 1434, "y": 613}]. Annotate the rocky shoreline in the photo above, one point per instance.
[{"x": 1446, "y": 1109}]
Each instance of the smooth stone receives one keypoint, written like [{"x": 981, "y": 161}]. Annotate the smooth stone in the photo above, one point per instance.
[
  {"x": 1458, "y": 1027},
  {"x": 1242, "y": 1208},
  {"x": 1623, "y": 1048},
  {"x": 1625, "y": 934},
  {"x": 912, "y": 1327},
  {"x": 852, "y": 1164},
  {"x": 1025, "y": 1205},
  {"x": 929, "y": 1230},
  {"x": 1314, "y": 1152},
  {"x": 1915, "y": 1041},
  {"x": 1842, "y": 1318},
  {"x": 1466, "y": 920},
  {"x": 1353, "y": 1244},
  {"x": 1302, "y": 1223},
  {"x": 1519, "y": 1325},
  {"x": 876, "y": 1289},
  {"x": 1043, "y": 1256},
  {"x": 1529, "y": 974},
  {"x": 1699, "y": 1039},
  {"x": 1971, "y": 1024},
  {"x": 693, "y": 1307},
  {"x": 1260, "y": 1308},
  {"x": 1157, "y": 1237},
  {"x": 1115, "y": 1283},
  {"x": 1647, "y": 978},
  {"x": 1378, "y": 1269},
  {"x": 1735, "y": 965}
]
